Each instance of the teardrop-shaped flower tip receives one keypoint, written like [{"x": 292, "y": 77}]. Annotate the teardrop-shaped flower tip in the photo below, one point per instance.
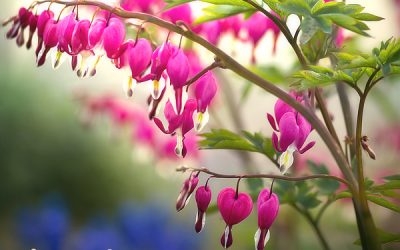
[
  {"x": 234, "y": 208},
  {"x": 267, "y": 208},
  {"x": 189, "y": 186},
  {"x": 203, "y": 199},
  {"x": 113, "y": 37}
]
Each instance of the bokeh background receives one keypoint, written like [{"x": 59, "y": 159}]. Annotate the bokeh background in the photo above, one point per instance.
[{"x": 67, "y": 185}]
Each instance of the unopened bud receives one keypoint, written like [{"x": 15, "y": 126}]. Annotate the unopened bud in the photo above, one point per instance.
[{"x": 367, "y": 148}]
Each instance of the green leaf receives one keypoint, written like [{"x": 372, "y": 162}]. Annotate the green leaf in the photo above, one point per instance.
[
  {"x": 384, "y": 237},
  {"x": 367, "y": 17},
  {"x": 392, "y": 177},
  {"x": 215, "y": 12},
  {"x": 326, "y": 187},
  {"x": 255, "y": 186},
  {"x": 343, "y": 195},
  {"x": 298, "y": 7},
  {"x": 395, "y": 184},
  {"x": 305, "y": 197},
  {"x": 384, "y": 203},
  {"x": 225, "y": 139},
  {"x": 174, "y": 3},
  {"x": 309, "y": 26},
  {"x": 275, "y": 5}
]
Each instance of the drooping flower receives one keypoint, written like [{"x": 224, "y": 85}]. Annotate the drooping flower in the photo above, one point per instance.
[
  {"x": 137, "y": 56},
  {"x": 178, "y": 71},
  {"x": 113, "y": 37},
  {"x": 32, "y": 29},
  {"x": 206, "y": 88},
  {"x": 189, "y": 186},
  {"x": 180, "y": 124},
  {"x": 234, "y": 207},
  {"x": 211, "y": 30},
  {"x": 203, "y": 199},
  {"x": 43, "y": 18},
  {"x": 232, "y": 24},
  {"x": 257, "y": 26},
  {"x": 159, "y": 63},
  {"x": 65, "y": 29},
  {"x": 50, "y": 41},
  {"x": 96, "y": 32},
  {"x": 294, "y": 130},
  {"x": 268, "y": 208}
]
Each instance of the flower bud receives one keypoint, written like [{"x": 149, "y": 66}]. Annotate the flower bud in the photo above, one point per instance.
[
  {"x": 203, "y": 199},
  {"x": 188, "y": 187},
  {"x": 267, "y": 208}
]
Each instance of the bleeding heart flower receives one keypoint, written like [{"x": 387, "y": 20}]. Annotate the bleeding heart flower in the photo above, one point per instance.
[
  {"x": 268, "y": 208},
  {"x": 294, "y": 130},
  {"x": 43, "y": 18},
  {"x": 257, "y": 26},
  {"x": 205, "y": 90},
  {"x": 234, "y": 208},
  {"x": 180, "y": 124},
  {"x": 80, "y": 46},
  {"x": 24, "y": 16},
  {"x": 203, "y": 199},
  {"x": 178, "y": 71},
  {"x": 113, "y": 37},
  {"x": 50, "y": 41},
  {"x": 189, "y": 186},
  {"x": 159, "y": 63},
  {"x": 136, "y": 56},
  {"x": 32, "y": 29}
]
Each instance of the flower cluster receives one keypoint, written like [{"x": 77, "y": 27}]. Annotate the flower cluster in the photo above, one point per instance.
[
  {"x": 167, "y": 67},
  {"x": 234, "y": 207},
  {"x": 251, "y": 29},
  {"x": 293, "y": 129}
]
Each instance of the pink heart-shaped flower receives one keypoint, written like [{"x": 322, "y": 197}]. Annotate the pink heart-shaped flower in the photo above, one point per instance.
[{"x": 234, "y": 209}]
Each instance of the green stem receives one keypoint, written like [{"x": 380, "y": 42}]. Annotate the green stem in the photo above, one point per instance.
[
  {"x": 366, "y": 225},
  {"x": 314, "y": 224}
]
